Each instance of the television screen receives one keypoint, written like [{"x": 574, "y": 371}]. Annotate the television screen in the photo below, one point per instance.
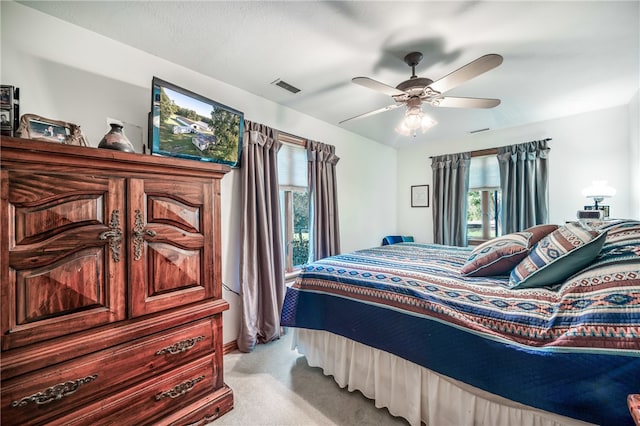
[{"x": 186, "y": 125}]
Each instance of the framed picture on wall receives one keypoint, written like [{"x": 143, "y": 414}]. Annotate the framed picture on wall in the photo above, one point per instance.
[{"x": 420, "y": 196}]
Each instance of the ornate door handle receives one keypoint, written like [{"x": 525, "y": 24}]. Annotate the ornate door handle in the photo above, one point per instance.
[
  {"x": 180, "y": 389},
  {"x": 54, "y": 393},
  {"x": 114, "y": 235},
  {"x": 181, "y": 346},
  {"x": 139, "y": 232}
]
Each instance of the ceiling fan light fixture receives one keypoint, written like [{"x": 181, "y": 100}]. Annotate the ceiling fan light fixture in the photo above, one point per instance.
[
  {"x": 415, "y": 119},
  {"x": 427, "y": 123}
]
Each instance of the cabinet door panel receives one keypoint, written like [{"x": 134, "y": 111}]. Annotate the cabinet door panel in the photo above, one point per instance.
[
  {"x": 63, "y": 276},
  {"x": 62, "y": 288},
  {"x": 174, "y": 212},
  {"x": 183, "y": 266},
  {"x": 172, "y": 253},
  {"x": 38, "y": 223}
]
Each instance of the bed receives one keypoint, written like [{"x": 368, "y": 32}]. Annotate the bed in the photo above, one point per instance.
[{"x": 442, "y": 335}]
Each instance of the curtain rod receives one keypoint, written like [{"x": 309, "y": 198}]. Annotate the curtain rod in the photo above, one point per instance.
[{"x": 481, "y": 152}]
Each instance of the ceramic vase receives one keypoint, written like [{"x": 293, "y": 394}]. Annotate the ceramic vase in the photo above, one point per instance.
[{"x": 116, "y": 139}]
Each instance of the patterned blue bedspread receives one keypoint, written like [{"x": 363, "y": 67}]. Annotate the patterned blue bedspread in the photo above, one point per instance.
[{"x": 573, "y": 349}]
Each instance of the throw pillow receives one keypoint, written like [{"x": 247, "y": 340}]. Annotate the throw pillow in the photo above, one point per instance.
[
  {"x": 539, "y": 232},
  {"x": 557, "y": 256},
  {"x": 497, "y": 256}
]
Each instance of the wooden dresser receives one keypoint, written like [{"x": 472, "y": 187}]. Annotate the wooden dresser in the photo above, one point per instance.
[{"x": 111, "y": 303}]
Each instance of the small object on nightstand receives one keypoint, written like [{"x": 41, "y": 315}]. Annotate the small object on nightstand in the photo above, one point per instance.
[{"x": 590, "y": 214}]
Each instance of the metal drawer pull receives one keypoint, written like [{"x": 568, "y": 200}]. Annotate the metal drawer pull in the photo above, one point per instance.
[
  {"x": 180, "y": 389},
  {"x": 54, "y": 393},
  {"x": 181, "y": 346},
  {"x": 138, "y": 235},
  {"x": 114, "y": 235}
]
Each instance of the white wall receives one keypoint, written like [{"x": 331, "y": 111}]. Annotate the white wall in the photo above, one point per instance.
[
  {"x": 586, "y": 147},
  {"x": 634, "y": 153},
  {"x": 67, "y": 73}
]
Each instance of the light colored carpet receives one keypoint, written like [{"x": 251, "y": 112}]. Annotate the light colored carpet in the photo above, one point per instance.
[{"x": 274, "y": 385}]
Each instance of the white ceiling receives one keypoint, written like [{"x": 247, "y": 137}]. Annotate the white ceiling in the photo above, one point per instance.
[{"x": 560, "y": 58}]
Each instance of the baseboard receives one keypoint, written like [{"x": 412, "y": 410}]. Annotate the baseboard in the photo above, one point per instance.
[{"x": 229, "y": 347}]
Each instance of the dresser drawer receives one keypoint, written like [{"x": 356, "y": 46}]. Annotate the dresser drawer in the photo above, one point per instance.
[
  {"x": 147, "y": 403},
  {"x": 36, "y": 396}
]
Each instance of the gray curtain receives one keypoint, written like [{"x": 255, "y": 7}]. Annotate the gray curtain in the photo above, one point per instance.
[
  {"x": 524, "y": 175},
  {"x": 323, "y": 197},
  {"x": 261, "y": 262},
  {"x": 450, "y": 187}
]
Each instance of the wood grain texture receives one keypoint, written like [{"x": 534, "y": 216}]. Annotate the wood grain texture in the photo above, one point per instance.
[{"x": 111, "y": 294}]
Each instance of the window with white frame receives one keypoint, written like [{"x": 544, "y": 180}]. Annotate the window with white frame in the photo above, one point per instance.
[
  {"x": 483, "y": 199},
  {"x": 294, "y": 202}
]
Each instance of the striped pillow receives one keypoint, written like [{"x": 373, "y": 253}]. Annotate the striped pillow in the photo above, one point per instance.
[
  {"x": 557, "y": 256},
  {"x": 498, "y": 256}
]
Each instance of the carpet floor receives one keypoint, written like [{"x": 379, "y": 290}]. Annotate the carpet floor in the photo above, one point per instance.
[{"x": 274, "y": 385}]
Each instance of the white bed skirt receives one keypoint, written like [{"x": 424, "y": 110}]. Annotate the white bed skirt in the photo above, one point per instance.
[{"x": 411, "y": 391}]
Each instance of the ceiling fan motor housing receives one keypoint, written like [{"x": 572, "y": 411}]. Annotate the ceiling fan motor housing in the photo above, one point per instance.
[{"x": 414, "y": 86}]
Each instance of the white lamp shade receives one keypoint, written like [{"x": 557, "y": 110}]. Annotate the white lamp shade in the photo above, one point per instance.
[{"x": 599, "y": 189}]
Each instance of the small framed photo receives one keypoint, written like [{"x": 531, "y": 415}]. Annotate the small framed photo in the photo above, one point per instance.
[
  {"x": 45, "y": 129},
  {"x": 5, "y": 117},
  {"x": 9, "y": 110},
  {"x": 420, "y": 196},
  {"x": 6, "y": 97}
]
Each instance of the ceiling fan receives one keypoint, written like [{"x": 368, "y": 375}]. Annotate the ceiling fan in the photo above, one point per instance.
[{"x": 418, "y": 90}]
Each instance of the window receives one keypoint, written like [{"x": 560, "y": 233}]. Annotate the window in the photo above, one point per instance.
[
  {"x": 483, "y": 199},
  {"x": 294, "y": 202}
]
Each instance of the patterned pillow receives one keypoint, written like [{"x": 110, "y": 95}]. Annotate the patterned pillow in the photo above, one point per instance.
[
  {"x": 622, "y": 243},
  {"x": 621, "y": 233},
  {"x": 498, "y": 256},
  {"x": 557, "y": 256},
  {"x": 539, "y": 232}
]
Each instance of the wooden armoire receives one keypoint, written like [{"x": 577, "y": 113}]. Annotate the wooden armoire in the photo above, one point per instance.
[{"x": 111, "y": 302}]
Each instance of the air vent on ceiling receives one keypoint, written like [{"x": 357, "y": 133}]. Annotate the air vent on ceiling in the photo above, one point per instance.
[
  {"x": 479, "y": 130},
  {"x": 285, "y": 86}
]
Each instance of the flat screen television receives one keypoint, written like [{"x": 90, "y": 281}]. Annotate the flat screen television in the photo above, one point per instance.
[{"x": 186, "y": 125}]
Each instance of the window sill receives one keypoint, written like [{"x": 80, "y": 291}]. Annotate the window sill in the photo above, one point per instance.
[{"x": 476, "y": 241}]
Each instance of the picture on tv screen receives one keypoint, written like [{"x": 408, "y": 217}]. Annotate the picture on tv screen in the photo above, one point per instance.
[{"x": 188, "y": 125}]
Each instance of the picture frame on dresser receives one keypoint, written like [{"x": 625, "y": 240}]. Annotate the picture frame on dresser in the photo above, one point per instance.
[
  {"x": 5, "y": 122},
  {"x": 33, "y": 126},
  {"x": 9, "y": 109}
]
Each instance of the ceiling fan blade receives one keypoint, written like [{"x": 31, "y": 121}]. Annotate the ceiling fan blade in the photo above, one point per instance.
[
  {"x": 376, "y": 85},
  {"x": 452, "y": 102},
  {"x": 467, "y": 72},
  {"x": 367, "y": 114}
]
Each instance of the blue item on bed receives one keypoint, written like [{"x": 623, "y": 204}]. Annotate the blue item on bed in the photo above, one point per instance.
[{"x": 395, "y": 239}]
